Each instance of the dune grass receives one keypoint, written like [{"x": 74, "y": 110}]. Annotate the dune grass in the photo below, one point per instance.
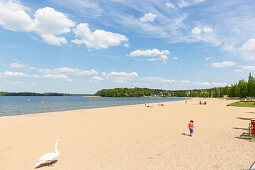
[{"x": 242, "y": 104}]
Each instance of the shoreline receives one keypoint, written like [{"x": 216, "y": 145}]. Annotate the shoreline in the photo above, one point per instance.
[
  {"x": 131, "y": 137},
  {"x": 85, "y": 108},
  {"x": 155, "y": 103}
]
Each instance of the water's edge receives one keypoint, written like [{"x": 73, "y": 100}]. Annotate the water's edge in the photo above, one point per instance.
[{"x": 20, "y": 105}]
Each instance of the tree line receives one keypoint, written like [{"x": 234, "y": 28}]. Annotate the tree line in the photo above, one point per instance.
[{"x": 241, "y": 89}]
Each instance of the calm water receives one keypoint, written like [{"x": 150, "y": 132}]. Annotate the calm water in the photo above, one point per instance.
[{"x": 16, "y": 105}]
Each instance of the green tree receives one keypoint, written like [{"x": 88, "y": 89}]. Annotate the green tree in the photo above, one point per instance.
[
  {"x": 242, "y": 88},
  {"x": 251, "y": 86}
]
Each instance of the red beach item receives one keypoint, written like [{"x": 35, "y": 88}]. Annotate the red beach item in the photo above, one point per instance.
[{"x": 253, "y": 126}]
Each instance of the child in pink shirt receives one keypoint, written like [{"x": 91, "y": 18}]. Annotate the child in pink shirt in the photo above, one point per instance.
[{"x": 191, "y": 127}]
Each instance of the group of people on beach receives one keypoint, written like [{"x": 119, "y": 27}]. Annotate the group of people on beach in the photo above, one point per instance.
[{"x": 204, "y": 103}]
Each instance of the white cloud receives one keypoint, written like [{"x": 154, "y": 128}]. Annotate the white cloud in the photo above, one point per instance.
[
  {"x": 47, "y": 22},
  {"x": 75, "y": 71},
  {"x": 97, "y": 39},
  {"x": 17, "y": 65},
  {"x": 207, "y": 29},
  {"x": 182, "y": 4},
  {"x": 69, "y": 71},
  {"x": 170, "y": 5},
  {"x": 160, "y": 58},
  {"x": 54, "y": 76},
  {"x": 157, "y": 80},
  {"x": 163, "y": 57},
  {"x": 51, "y": 76},
  {"x": 186, "y": 3},
  {"x": 126, "y": 45},
  {"x": 176, "y": 58},
  {"x": 97, "y": 78},
  {"x": 15, "y": 74},
  {"x": 122, "y": 77},
  {"x": 50, "y": 21},
  {"x": 248, "y": 68},
  {"x": 198, "y": 30},
  {"x": 245, "y": 68},
  {"x": 206, "y": 34},
  {"x": 223, "y": 64},
  {"x": 247, "y": 50},
  {"x": 149, "y": 17},
  {"x": 117, "y": 77},
  {"x": 181, "y": 84},
  {"x": 53, "y": 40},
  {"x": 13, "y": 16},
  {"x": 149, "y": 53}
]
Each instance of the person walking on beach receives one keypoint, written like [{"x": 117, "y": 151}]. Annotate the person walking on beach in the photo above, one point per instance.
[{"x": 191, "y": 127}]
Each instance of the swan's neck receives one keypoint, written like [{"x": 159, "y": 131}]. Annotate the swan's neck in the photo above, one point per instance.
[{"x": 56, "y": 148}]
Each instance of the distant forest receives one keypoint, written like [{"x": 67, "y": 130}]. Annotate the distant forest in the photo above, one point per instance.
[
  {"x": 241, "y": 89},
  {"x": 32, "y": 94}
]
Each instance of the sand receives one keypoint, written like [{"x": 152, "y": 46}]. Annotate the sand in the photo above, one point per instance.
[{"x": 132, "y": 137}]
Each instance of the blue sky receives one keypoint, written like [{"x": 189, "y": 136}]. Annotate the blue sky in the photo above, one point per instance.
[{"x": 82, "y": 46}]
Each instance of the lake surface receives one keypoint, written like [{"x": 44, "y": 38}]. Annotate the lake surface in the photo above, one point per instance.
[{"x": 17, "y": 105}]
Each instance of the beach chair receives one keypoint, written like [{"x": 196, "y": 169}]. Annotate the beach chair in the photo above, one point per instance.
[{"x": 252, "y": 167}]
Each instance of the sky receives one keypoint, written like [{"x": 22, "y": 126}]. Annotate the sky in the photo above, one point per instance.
[{"x": 82, "y": 46}]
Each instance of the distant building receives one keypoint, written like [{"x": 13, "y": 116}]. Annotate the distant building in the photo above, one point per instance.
[{"x": 225, "y": 96}]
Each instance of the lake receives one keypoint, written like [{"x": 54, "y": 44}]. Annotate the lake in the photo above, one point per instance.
[{"x": 17, "y": 105}]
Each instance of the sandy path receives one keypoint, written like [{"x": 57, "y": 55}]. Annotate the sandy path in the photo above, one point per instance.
[{"x": 131, "y": 138}]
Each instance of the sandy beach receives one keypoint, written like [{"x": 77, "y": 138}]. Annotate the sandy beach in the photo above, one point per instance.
[{"x": 132, "y": 137}]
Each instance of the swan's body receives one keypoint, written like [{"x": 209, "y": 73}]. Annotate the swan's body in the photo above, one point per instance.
[{"x": 48, "y": 157}]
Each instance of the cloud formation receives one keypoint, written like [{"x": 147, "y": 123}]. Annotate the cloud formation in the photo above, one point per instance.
[
  {"x": 187, "y": 3},
  {"x": 50, "y": 25},
  {"x": 69, "y": 71},
  {"x": 116, "y": 77},
  {"x": 16, "y": 65},
  {"x": 15, "y": 74},
  {"x": 97, "y": 39},
  {"x": 247, "y": 50},
  {"x": 149, "y": 17},
  {"x": 245, "y": 68},
  {"x": 223, "y": 64},
  {"x": 47, "y": 22},
  {"x": 151, "y": 53},
  {"x": 181, "y": 84},
  {"x": 56, "y": 76},
  {"x": 199, "y": 30},
  {"x": 13, "y": 16},
  {"x": 170, "y": 5}
]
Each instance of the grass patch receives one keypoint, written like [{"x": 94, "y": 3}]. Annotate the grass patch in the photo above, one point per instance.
[
  {"x": 242, "y": 104},
  {"x": 233, "y": 98}
]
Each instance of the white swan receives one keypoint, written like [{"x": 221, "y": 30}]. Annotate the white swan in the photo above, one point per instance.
[{"x": 48, "y": 157}]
